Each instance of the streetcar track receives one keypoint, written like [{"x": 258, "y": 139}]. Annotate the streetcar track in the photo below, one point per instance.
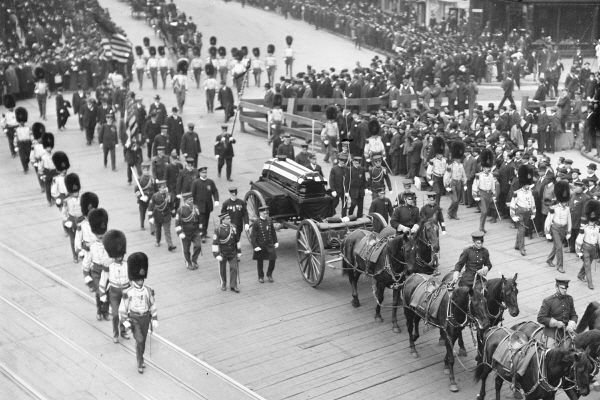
[{"x": 13, "y": 376}]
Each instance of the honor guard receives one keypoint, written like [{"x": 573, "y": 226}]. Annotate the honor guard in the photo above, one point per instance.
[
  {"x": 264, "y": 241},
  {"x": 159, "y": 214},
  {"x": 222, "y": 64},
  {"x": 405, "y": 218},
  {"x": 271, "y": 64},
  {"x": 302, "y": 157},
  {"x": 257, "y": 66},
  {"x": 58, "y": 190},
  {"x": 339, "y": 177},
  {"x": 138, "y": 308},
  {"x": 288, "y": 56},
  {"x": 206, "y": 196},
  {"x": 152, "y": 67},
  {"x": 457, "y": 178},
  {"x": 437, "y": 168},
  {"x": 71, "y": 210},
  {"x": 379, "y": 176},
  {"x": 588, "y": 241},
  {"x": 196, "y": 65},
  {"x": 286, "y": 148},
  {"x": 485, "y": 188},
  {"x": 186, "y": 177},
  {"x": 187, "y": 227},
  {"x": 382, "y": 205},
  {"x": 237, "y": 212},
  {"x": 48, "y": 170},
  {"x": 161, "y": 140},
  {"x": 22, "y": 140},
  {"x": 163, "y": 65},
  {"x": 558, "y": 314},
  {"x": 159, "y": 164},
  {"x": 9, "y": 122},
  {"x": 472, "y": 261},
  {"x": 96, "y": 259},
  {"x": 432, "y": 210},
  {"x": 522, "y": 206},
  {"x": 226, "y": 249},
  {"x": 144, "y": 191},
  {"x": 357, "y": 185},
  {"x": 139, "y": 65},
  {"x": 37, "y": 152},
  {"x": 84, "y": 235},
  {"x": 557, "y": 226}
]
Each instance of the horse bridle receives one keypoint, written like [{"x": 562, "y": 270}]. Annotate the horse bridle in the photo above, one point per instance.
[
  {"x": 427, "y": 243},
  {"x": 501, "y": 304}
]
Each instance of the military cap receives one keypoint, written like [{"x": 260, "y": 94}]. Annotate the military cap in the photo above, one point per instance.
[
  {"x": 190, "y": 125},
  {"x": 380, "y": 190},
  {"x": 202, "y": 169},
  {"x": 158, "y": 148},
  {"x": 477, "y": 235},
  {"x": 377, "y": 157},
  {"x": 431, "y": 195},
  {"x": 224, "y": 215},
  {"x": 263, "y": 208},
  {"x": 578, "y": 182},
  {"x": 164, "y": 127},
  {"x": 357, "y": 158},
  {"x": 343, "y": 156},
  {"x": 304, "y": 145},
  {"x": 174, "y": 109},
  {"x": 233, "y": 190},
  {"x": 407, "y": 183},
  {"x": 568, "y": 161},
  {"x": 286, "y": 135},
  {"x": 411, "y": 195},
  {"x": 560, "y": 281}
]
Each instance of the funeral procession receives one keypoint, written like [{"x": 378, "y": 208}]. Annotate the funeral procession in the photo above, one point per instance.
[{"x": 300, "y": 199}]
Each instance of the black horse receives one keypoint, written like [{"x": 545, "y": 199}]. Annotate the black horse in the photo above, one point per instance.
[
  {"x": 427, "y": 246},
  {"x": 388, "y": 271},
  {"x": 590, "y": 318},
  {"x": 457, "y": 308},
  {"x": 547, "y": 371}
]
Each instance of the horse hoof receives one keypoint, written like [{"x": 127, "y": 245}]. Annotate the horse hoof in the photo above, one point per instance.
[
  {"x": 396, "y": 329},
  {"x": 462, "y": 353},
  {"x": 355, "y": 303},
  {"x": 441, "y": 342},
  {"x": 378, "y": 318},
  {"x": 453, "y": 387},
  {"x": 446, "y": 371}
]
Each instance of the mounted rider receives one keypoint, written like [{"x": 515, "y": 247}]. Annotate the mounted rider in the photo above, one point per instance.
[
  {"x": 474, "y": 260},
  {"x": 558, "y": 314},
  {"x": 405, "y": 218},
  {"x": 431, "y": 209}
]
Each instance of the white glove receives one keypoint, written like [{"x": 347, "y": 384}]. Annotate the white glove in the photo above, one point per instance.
[
  {"x": 276, "y": 245},
  {"x": 219, "y": 258},
  {"x": 257, "y": 249},
  {"x": 151, "y": 221},
  {"x": 580, "y": 255},
  {"x": 532, "y": 217},
  {"x": 571, "y": 326},
  {"x": 217, "y": 156},
  {"x": 548, "y": 236},
  {"x": 58, "y": 201},
  {"x": 334, "y": 193},
  {"x": 103, "y": 298},
  {"x": 347, "y": 195},
  {"x": 414, "y": 228},
  {"x": 494, "y": 199},
  {"x": 568, "y": 236},
  {"x": 154, "y": 324},
  {"x": 217, "y": 203},
  {"x": 68, "y": 224},
  {"x": 222, "y": 140},
  {"x": 127, "y": 324},
  {"x": 430, "y": 183},
  {"x": 465, "y": 187},
  {"x": 515, "y": 218},
  {"x": 444, "y": 233},
  {"x": 448, "y": 189},
  {"x": 455, "y": 276},
  {"x": 367, "y": 191},
  {"x": 246, "y": 227},
  {"x": 144, "y": 198},
  {"x": 345, "y": 219},
  {"x": 476, "y": 198},
  {"x": 483, "y": 271},
  {"x": 87, "y": 279},
  {"x": 149, "y": 213},
  {"x": 16, "y": 149},
  {"x": 100, "y": 145},
  {"x": 182, "y": 236},
  {"x": 556, "y": 324}
]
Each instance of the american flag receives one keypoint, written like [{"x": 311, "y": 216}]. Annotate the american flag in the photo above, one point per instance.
[{"x": 116, "y": 48}]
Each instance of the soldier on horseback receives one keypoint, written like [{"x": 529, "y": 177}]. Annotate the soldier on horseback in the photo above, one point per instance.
[
  {"x": 474, "y": 259},
  {"x": 405, "y": 218},
  {"x": 558, "y": 314},
  {"x": 433, "y": 210}
]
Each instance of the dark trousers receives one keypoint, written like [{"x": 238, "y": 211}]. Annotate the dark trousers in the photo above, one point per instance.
[
  {"x": 469, "y": 195},
  {"x": 106, "y": 150},
  {"x": 41, "y": 100},
  {"x": 559, "y": 234},
  {"x": 138, "y": 168},
  {"x": 143, "y": 207},
  {"x": 357, "y": 202},
  {"x": 224, "y": 160},
  {"x": 589, "y": 254},
  {"x": 163, "y": 76},
  {"x": 574, "y": 234},
  {"x": 507, "y": 96},
  {"x": 438, "y": 188},
  {"x": 413, "y": 169},
  {"x": 186, "y": 244},
  {"x": 139, "y": 326},
  {"x": 10, "y": 135},
  {"x": 89, "y": 133},
  {"x": 522, "y": 226},
  {"x": 101, "y": 308},
  {"x": 259, "y": 268},
  {"x": 71, "y": 233},
  {"x": 233, "y": 271},
  {"x": 456, "y": 196},
  {"x": 154, "y": 77},
  {"x": 163, "y": 224},
  {"x": 210, "y": 100},
  {"x": 149, "y": 149},
  {"x": 550, "y": 143},
  {"x": 24, "y": 153},
  {"x": 486, "y": 205},
  {"x": 114, "y": 298},
  {"x": 204, "y": 217}
]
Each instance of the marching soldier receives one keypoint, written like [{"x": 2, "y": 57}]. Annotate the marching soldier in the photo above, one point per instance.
[
  {"x": 161, "y": 140},
  {"x": 37, "y": 152},
  {"x": 405, "y": 218},
  {"x": 576, "y": 205},
  {"x": 588, "y": 241},
  {"x": 264, "y": 241},
  {"x": 437, "y": 167},
  {"x": 196, "y": 65},
  {"x": 474, "y": 260},
  {"x": 96, "y": 259},
  {"x": 159, "y": 164},
  {"x": 289, "y": 56},
  {"x": 139, "y": 65},
  {"x": 9, "y": 122},
  {"x": 152, "y": 67},
  {"x": 138, "y": 308},
  {"x": 224, "y": 151},
  {"x": 558, "y": 314},
  {"x": 237, "y": 212},
  {"x": 159, "y": 214},
  {"x": 558, "y": 224},
  {"x": 432, "y": 210},
  {"x": 144, "y": 191},
  {"x": 48, "y": 170},
  {"x": 187, "y": 226},
  {"x": 71, "y": 210},
  {"x": 382, "y": 205},
  {"x": 205, "y": 194},
  {"x": 58, "y": 189},
  {"x": 485, "y": 188},
  {"x": 160, "y": 110},
  {"x": 271, "y": 64},
  {"x": 84, "y": 236},
  {"x": 357, "y": 186},
  {"x": 163, "y": 65},
  {"x": 190, "y": 144},
  {"x": 522, "y": 205},
  {"x": 22, "y": 140},
  {"x": 456, "y": 178},
  {"x": 339, "y": 177},
  {"x": 226, "y": 249},
  {"x": 378, "y": 176},
  {"x": 257, "y": 66},
  {"x": 186, "y": 177}
]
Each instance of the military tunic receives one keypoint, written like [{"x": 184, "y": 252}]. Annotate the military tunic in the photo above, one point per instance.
[
  {"x": 405, "y": 216},
  {"x": 561, "y": 308},
  {"x": 472, "y": 259},
  {"x": 429, "y": 211},
  {"x": 238, "y": 213},
  {"x": 187, "y": 226},
  {"x": 379, "y": 178},
  {"x": 382, "y": 206}
]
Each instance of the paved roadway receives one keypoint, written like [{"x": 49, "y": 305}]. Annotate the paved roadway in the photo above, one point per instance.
[{"x": 282, "y": 341}]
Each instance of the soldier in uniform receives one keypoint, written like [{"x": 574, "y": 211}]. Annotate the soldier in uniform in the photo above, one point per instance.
[
  {"x": 558, "y": 314},
  {"x": 271, "y": 64},
  {"x": 405, "y": 218},
  {"x": 9, "y": 122},
  {"x": 456, "y": 178},
  {"x": 431, "y": 210},
  {"x": 522, "y": 206},
  {"x": 576, "y": 205},
  {"x": 46, "y": 166},
  {"x": 138, "y": 308},
  {"x": 339, "y": 177},
  {"x": 175, "y": 130},
  {"x": 190, "y": 144},
  {"x": 302, "y": 157},
  {"x": 357, "y": 185},
  {"x": 71, "y": 210},
  {"x": 159, "y": 164},
  {"x": 109, "y": 139},
  {"x": 84, "y": 236},
  {"x": 264, "y": 242},
  {"x": 226, "y": 249},
  {"x": 163, "y": 65},
  {"x": 96, "y": 259},
  {"x": 289, "y": 56},
  {"x": 588, "y": 241},
  {"x": 286, "y": 148},
  {"x": 485, "y": 189},
  {"x": 152, "y": 67},
  {"x": 161, "y": 140},
  {"x": 196, "y": 65},
  {"x": 437, "y": 167},
  {"x": 474, "y": 260},
  {"x": 186, "y": 177},
  {"x": 58, "y": 189},
  {"x": 205, "y": 194},
  {"x": 139, "y": 64},
  {"x": 146, "y": 183},
  {"x": 187, "y": 227},
  {"x": 378, "y": 176},
  {"x": 224, "y": 151},
  {"x": 22, "y": 139},
  {"x": 558, "y": 224},
  {"x": 159, "y": 213},
  {"x": 151, "y": 130},
  {"x": 237, "y": 212},
  {"x": 381, "y": 204}
]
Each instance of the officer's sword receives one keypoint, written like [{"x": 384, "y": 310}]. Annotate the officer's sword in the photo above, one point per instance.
[
  {"x": 496, "y": 207},
  {"x": 137, "y": 182}
]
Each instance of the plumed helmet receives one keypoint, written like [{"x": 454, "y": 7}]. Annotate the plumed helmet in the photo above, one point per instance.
[
  {"x": 209, "y": 69},
  {"x": 525, "y": 174},
  {"x": 21, "y": 114},
  {"x": 289, "y": 40},
  {"x": 213, "y": 41},
  {"x": 72, "y": 183},
  {"x": 244, "y": 51},
  {"x": 152, "y": 50},
  {"x": 457, "y": 149},
  {"x": 331, "y": 113},
  {"x": 374, "y": 127},
  {"x": 592, "y": 210},
  {"x": 115, "y": 243},
  {"x": 487, "y": 158},
  {"x": 98, "y": 219},
  {"x": 61, "y": 161},
  {"x": 256, "y": 52},
  {"x": 222, "y": 51},
  {"x": 137, "y": 266},
  {"x": 39, "y": 73},
  {"x": 270, "y": 49},
  {"x": 37, "y": 130},
  {"x": 161, "y": 50},
  {"x": 562, "y": 191},
  {"x": 88, "y": 201},
  {"x": 182, "y": 66},
  {"x": 146, "y": 41},
  {"x": 48, "y": 140},
  {"x": 139, "y": 51},
  {"x": 438, "y": 146},
  {"x": 9, "y": 101},
  {"x": 277, "y": 100},
  {"x": 196, "y": 51},
  {"x": 212, "y": 51}
]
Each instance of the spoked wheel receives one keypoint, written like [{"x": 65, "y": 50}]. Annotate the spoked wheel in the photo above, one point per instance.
[
  {"x": 254, "y": 200},
  {"x": 311, "y": 252},
  {"x": 378, "y": 222}
]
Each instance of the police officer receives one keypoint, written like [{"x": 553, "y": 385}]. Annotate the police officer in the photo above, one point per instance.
[
  {"x": 186, "y": 176},
  {"x": 159, "y": 214},
  {"x": 205, "y": 194},
  {"x": 485, "y": 188},
  {"x": 302, "y": 157},
  {"x": 431, "y": 210},
  {"x": 338, "y": 182},
  {"x": 224, "y": 151},
  {"x": 405, "y": 218},
  {"x": 558, "y": 314},
  {"x": 159, "y": 164},
  {"x": 226, "y": 249},
  {"x": 264, "y": 241},
  {"x": 378, "y": 176},
  {"x": 407, "y": 186},
  {"x": 474, "y": 260},
  {"x": 238, "y": 212},
  {"x": 357, "y": 185},
  {"x": 382, "y": 205},
  {"x": 576, "y": 204},
  {"x": 187, "y": 227},
  {"x": 522, "y": 206}
]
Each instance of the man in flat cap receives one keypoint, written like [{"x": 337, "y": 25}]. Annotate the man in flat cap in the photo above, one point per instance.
[
  {"x": 472, "y": 261},
  {"x": 190, "y": 144},
  {"x": 224, "y": 151},
  {"x": 558, "y": 315}
]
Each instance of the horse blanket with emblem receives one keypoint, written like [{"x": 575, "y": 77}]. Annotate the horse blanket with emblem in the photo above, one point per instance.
[
  {"x": 370, "y": 247},
  {"x": 514, "y": 352},
  {"x": 427, "y": 297}
]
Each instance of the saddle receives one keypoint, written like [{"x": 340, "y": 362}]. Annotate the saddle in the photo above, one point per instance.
[
  {"x": 370, "y": 247},
  {"x": 514, "y": 353},
  {"x": 427, "y": 297}
]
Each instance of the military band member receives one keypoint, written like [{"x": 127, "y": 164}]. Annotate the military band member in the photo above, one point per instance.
[
  {"x": 96, "y": 259},
  {"x": 588, "y": 241},
  {"x": 456, "y": 178},
  {"x": 485, "y": 188},
  {"x": 264, "y": 241},
  {"x": 432, "y": 210},
  {"x": 558, "y": 224},
  {"x": 339, "y": 177},
  {"x": 558, "y": 314},
  {"x": 237, "y": 212},
  {"x": 382, "y": 205},
  {"x": 522, "y": 206},
  {"x": 357, "y": 186},
  {"x": 405, "y": 218},
  {"x": 146, "y": 184},
  {"x": 115, "y": 281},
  {"x": 437, "y": 168},
  {"x": 187, "y": 226},
  {"x": 84, "y": 235},
  {"x": 138, "y": 309},
  {"x": 71, "y": 210},
  {"x": 378, "y": 176},
  {"x": 159, "y": 214},
  {"x": 206, "y": 196},
  {"x": 472, "y": 261},
  {"x": 226, "y": 249}
]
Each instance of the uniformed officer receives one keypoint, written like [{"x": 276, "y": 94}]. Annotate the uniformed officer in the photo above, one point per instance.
[
  {"x": 138, "y": 309},
  {"x": 187, "y": 227},
  {"x": 146, "y": 183},
  {"x": 96, "y": 260},
  {"x": 576, "y": 204},
  {"x": 558, "y": 314},
  {"x": 224, "y": 151},
  {"x": 378, "y": 176},
  {"x": 588, "y": 241},
  {"x": 159, "y": 214},
  {"x": 557, "y": 226},
  {"x": 431, "y": 210},
  {"x": 196, "y": 65},
  {"x": 357, "y": 185},
  {"x": 237, "y": 212},
  {"x": 437, "y": 168},
  {"x": 226, "y": 249},
  {"x": 264, "y": 241},
  {"x": 522, "y": 206},
  {"x": 339, "y": 182},
  {"x": 84, "y": 235},
  {"x": 159, "y": 164},
  {"x": 139, "y": 64},
  {"x": 405, "y": 218},
  {"x": 286, "y": 148},
  {"x": 206, "y": 195},
  {"x": 382, "y": 205},
  {"x": 302, "y": 157},
  {"x": 407, "y": 186},
  {"x": 152, "y": 67},
  {"x": 186, "y": 177},
  {"x": 72, "y": 210},
  {"x": 473, "y": 260},
  {"x": 9, "y": 122},
  {"x": 485, "y": 188}
]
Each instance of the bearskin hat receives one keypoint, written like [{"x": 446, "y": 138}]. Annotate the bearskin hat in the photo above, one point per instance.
[
  {"x": 152, "y": 51},
  {"x": 277, "y": 100},
  {"x": 213, "y": 41},
  {"x": 212, "y": 51},
  {"x": 39, "y": 73},
  {"x": 244, "y": 51},
  {"x": 38, "y": 129},
  {"x": 196, "y": 51},
  {"x": 487, "y": 158},
  {"x": 222, "y": 51},
  {"x": 289, "y": 40},
  {"x": 137, "y": 266},
  {"x": 209, "y": 69},
  {"x": 457, "y": 149},
  {"x": 562, "y": 191},
  {"x": 331, "y": 113},
  {"x": 72, "y": 183},
  {"x": 61, "y": 161},
  {"x": 48, "y": 140},
  {"x": 146, "y": 41},
  {"x": 256, "y": 52},
  {"x": 98, "y": 219},
  {"x": 234, "y": 53},
  {"x": 374, "y": 127},
  {"x": 438, "y": 146},
  {"x": 161, "y": 50},
  {"x": 9, "y": 101},
  {"x": 592, "y": 210},
  {"x": 182, "y": 66},
  {"x": 139, "y": 51},
  {"x": 115, "y": 243},
  {"x": 88, "y": 201},
  {"x": 270, "y": 49},
  {"x": 525, "y": 174},
  {"x": 21, "y": 114}
]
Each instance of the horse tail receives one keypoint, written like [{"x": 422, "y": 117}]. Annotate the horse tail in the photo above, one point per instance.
[
  {"x": 479, "y": 370},
  {"x": 587, "y": 321}
]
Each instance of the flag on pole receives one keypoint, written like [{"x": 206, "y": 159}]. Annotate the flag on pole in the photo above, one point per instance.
[{"x": 120, "y": 47}]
